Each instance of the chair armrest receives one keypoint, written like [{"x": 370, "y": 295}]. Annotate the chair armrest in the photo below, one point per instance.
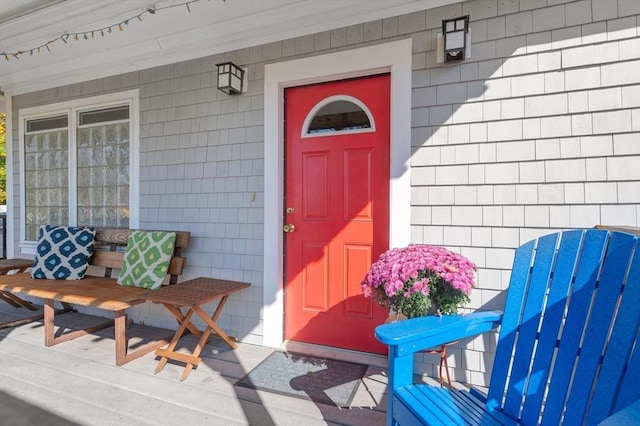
[
  {"x": 628, "y": 416},
  {"x": 422, "y": 333}
]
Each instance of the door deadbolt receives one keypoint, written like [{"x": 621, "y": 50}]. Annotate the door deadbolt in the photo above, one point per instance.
[{"x": 290, "y": 210}]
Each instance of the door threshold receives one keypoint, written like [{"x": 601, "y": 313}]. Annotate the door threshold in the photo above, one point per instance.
[{"x": 331, "y": 352}]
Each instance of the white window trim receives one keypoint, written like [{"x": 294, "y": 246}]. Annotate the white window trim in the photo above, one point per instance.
[
  {"x": 71, "y": 108},
  {"x": 10, "y": 184},
  {"x": 326, "y": 101},
  {"x": 394, "y": 57}
]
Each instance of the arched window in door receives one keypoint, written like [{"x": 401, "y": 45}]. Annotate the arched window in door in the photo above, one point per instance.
[{"x": 337, "y": 115}]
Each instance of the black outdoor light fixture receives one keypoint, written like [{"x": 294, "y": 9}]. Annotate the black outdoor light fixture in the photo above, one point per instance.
[
  {"x": 454, "y": 32},
  {"x": 230, "y": 78}
]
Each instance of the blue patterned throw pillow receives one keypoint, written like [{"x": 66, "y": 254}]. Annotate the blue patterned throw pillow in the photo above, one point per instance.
[{"x": 63, "y": 252}]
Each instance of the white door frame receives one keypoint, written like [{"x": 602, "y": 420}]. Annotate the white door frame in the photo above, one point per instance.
[{"x": 393, "y": 57}]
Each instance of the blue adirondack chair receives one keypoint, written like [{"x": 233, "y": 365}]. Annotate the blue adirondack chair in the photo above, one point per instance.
[{"x": 568, "y": 349}]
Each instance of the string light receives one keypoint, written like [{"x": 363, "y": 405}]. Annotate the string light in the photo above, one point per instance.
[{"x": 85, "y": 34}]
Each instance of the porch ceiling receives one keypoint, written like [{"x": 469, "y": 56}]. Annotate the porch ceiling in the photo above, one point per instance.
[{"x": 170, "y": 35}]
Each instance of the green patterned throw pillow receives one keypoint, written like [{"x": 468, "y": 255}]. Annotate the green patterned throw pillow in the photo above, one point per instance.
[{"x": 146, "y": 260}]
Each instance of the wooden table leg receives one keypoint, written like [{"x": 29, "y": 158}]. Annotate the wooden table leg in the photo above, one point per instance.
[
  {"x": 211, "y": 322},
  {"x": 174, "y": 304},
  {"x": 168, "y": 353},
  {"x": 196, "y": 354},
  {"x": 211, "y": 327},
  {"x": 176, "y": 312},
  {"x": 193, "y": 359}
]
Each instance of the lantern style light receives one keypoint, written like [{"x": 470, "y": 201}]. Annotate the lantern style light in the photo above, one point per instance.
[
  {"x": 230, "y": 78},
  {"x": 455, "y": 32}
]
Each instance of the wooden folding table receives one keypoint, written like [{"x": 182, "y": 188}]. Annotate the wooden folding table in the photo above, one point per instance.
[{"x": 192, "y": 294}]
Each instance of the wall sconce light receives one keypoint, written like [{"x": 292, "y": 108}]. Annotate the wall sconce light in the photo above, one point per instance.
[
  {"x": 454, "y": 32},
  {"x": 230, "y": 78}
]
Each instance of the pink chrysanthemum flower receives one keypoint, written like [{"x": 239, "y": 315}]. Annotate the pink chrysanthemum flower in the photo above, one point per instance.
[{"x": 409, "y": 280}]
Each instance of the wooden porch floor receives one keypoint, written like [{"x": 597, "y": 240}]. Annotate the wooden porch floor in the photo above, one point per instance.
[{"x": 77, "y": 382}]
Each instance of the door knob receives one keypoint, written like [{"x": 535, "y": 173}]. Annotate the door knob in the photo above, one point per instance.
[{"x": 289, "y": 227}]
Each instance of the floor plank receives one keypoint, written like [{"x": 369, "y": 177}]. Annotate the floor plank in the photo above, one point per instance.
[{"x": 77, "y": 382}]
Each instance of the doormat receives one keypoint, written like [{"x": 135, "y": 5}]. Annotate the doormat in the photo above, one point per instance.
[{"x": 321, "y": 380}]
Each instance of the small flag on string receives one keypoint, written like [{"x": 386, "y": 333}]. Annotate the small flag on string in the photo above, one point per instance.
[{"x": 85, "y": 34}]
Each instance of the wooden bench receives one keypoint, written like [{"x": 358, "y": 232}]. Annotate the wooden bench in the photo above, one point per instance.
[
  {"x": 16, "y": 266},
  {"x": 98, "y": 289}
]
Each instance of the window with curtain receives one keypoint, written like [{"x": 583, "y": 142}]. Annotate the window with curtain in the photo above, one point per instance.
[{"x": 77, "y": 168}]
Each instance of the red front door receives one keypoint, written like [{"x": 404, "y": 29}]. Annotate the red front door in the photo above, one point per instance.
[{"x": 337, "y": 199}]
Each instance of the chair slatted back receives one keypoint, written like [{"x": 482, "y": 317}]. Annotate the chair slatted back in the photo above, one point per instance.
[{"x": 568, "y": 348}]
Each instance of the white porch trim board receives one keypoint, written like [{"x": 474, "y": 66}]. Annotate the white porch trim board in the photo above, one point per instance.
[
  {"x": 214, "y": 28},
  {"x": 394, "y": 57}
]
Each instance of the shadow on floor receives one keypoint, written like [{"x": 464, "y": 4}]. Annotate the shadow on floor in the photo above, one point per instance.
[{"x": 16, "y": 412}]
